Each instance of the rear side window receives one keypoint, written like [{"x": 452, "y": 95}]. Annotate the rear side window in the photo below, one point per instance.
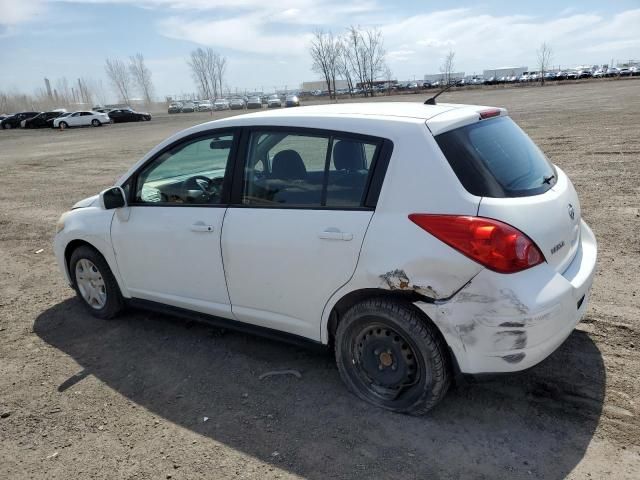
[
  {"x": 495, "y": 158},
  {"x": 307, "y": 170}
]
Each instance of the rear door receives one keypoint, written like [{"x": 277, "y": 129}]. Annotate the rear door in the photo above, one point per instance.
[
  {"x": 496, "y": 160},
  {"x": 294, "y": 233}
]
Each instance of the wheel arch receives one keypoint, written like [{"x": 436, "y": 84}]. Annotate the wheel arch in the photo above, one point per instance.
[
  {"x": 77, "y": 243},
  {"x": 356, "y": 296},
  {"x": 408, "y": 299},
  {"x": 72, "y": 246}
]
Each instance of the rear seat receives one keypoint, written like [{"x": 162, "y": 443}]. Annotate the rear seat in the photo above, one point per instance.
[{"x": 290, "y": 183}]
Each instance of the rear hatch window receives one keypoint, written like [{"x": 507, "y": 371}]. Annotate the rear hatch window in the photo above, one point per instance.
[{"x": 495, "y": 158}]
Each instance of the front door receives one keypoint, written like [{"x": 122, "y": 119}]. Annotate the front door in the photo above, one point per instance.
[
  {"x": 295, "y": 236},
  {"x": 167, "y": 242}
]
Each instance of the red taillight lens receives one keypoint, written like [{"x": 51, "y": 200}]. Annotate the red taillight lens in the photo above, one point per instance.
[
  {"x": 494, "y": 112},
  {"x": 496, "y": 245}
]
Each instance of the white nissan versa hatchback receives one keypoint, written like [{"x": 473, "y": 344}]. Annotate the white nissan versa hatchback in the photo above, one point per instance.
[{"x": 420, "y": 240}]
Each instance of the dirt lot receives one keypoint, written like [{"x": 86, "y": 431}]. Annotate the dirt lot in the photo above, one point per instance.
[{"x": 82, "y": 398}]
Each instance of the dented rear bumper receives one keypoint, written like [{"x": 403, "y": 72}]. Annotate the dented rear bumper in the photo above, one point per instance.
[{"x": 506, "y": 323}]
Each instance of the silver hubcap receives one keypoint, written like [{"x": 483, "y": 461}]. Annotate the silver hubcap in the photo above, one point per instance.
[{"x": 91, "y": 284}]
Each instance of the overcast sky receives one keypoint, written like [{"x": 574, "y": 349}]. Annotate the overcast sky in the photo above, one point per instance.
[{"x": 266, "y": 43}]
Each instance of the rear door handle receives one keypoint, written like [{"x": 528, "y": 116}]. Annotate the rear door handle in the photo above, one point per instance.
[
  {"x": 331, "y": 234},
  {"x": 201, "y": 227}
]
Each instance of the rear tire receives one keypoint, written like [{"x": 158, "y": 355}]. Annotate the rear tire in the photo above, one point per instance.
[
  {"x": 95, "y": 122},
  {"x": 390, "y": 356},
  {"x": 94, "y": 283},
  {"x": 6, "y": 126}
]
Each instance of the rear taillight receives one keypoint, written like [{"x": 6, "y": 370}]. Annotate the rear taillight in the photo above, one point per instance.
[
  {"x": 494, "y": 112},
  {"x": 496, "y": 245}
]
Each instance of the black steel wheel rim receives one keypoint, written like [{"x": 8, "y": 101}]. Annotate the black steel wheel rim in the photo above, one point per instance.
[{"x": 385, "y": 361}]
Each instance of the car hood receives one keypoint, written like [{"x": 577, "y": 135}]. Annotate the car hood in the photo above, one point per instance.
[{"x": 87, "y": 202}]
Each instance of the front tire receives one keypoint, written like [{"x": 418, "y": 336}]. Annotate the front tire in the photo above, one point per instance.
[
  {"x": 390, "y": 356},
  {"x": 94, "y": 283},
  {"x": 63, "y": 125},
  {"x": 6, "y": 126}
]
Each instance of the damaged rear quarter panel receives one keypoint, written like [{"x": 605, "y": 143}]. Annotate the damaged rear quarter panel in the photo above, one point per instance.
[{"x": 396, "y": 254}]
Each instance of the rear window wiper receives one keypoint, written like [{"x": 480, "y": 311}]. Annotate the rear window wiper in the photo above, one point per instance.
[{"x": 548, "y": 179}]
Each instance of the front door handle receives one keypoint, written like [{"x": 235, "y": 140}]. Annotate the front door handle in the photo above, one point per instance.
[
  {"x": 335, "y": 234},
  {"x": 201, "y": 227}
]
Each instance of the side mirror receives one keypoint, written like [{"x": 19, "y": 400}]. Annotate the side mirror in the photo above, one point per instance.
[{"x": 113, "y": 197}]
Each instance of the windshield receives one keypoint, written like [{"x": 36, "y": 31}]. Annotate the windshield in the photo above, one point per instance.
[{"x": 495, "y": 158}]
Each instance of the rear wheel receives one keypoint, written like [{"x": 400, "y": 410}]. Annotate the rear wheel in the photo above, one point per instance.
[
  {"x": 6, "y": 126},
  {"x": 95, "y": 122},
  {"x": 94, "y": 283},
  {"x": 390, "y": 356}
]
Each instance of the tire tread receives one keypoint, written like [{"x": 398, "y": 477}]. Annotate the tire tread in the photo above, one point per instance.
[{"x": 420, "y": 328}]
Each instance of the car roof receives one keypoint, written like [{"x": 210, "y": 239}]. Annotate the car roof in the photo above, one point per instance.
[{"x": 413, "y": 110}]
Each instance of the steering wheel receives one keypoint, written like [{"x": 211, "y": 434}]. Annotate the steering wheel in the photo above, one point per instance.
[{"x": 197, "y": 181}]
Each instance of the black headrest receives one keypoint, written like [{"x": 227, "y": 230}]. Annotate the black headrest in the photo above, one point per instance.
[
  {"x": 348, "y": 155},
  {"x": 288, "y": 165}
]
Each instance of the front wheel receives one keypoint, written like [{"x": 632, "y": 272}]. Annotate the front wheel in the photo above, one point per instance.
[
  {"x": 94, "y": 283},
  {"x": 63, "y": 125},
  {"x": 390, "y": 356},
  {"x": 95, "y": 122},
  {"x": 6, "y": 126}
]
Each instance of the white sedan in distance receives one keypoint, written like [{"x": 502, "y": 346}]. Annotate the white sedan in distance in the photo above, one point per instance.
[{"x": 82, "y": 119}]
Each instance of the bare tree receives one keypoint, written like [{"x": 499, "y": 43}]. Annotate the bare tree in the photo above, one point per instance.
[
  {"x": 220, "y": 64},
  {"x": 120, "y": 78},
  {"x": 447, "y": 66},
  {"x": 355, "y": 54},
  {"x": 198, "y": 64},
  {"x": 208, "y": 69},
  {"x": 142, "y": 77},
  {"x": 365, "y": 56},
  {"x": 374, "y": 56},
  {"x": 211, "y": 60},
  {"x": 343, "y": 67},
  {"x": 545, "y": 55},
  {"x": 325, "y": 53}
]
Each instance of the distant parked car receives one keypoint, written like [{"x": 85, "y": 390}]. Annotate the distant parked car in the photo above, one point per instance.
[
  {"x": 599, "y": 73},
  {"x": 624, "y": 72},
  {"x": 121, "y": 115},
  {"x": 635, "y": 71},
  {"x": 205, "y": 106},
  {"x": 174, "y": 107},
  {"x": 274, "y": 102},
  {"x": 548, "y": 76},
  {"x": 62, "y": 115},
  {"x": 254, "y": 102},
  {"x": 188, "y": 107},
  {"x": 585, "y": 74},
  {"x": 221, "y": 104},
  {"x": 612, "y": 72},
  {"x": 82, "y": 119},
  {"x": 572, "y": 75},
  {"x": 14, "y": 121},
  {"x": 237, "y": 104},
  {"x": 294, "y": 101},
  {"x": 561, "y": 76},
  {"x": 41, "y": 120}
]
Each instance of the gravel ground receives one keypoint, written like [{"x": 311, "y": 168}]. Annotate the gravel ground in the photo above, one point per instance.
[{"x": 151, "y": 396}]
